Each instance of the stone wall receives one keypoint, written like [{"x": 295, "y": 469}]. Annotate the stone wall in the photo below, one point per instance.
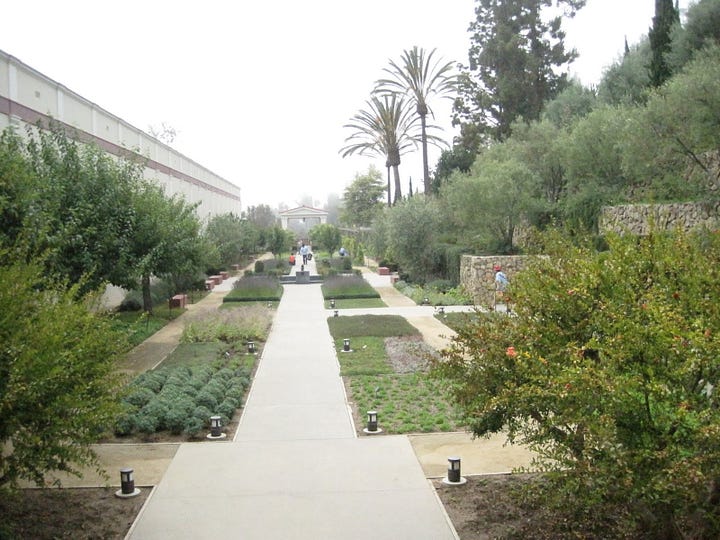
[
  {"x": 478, "y": 277},
  {"x": 639, "y": 218}
]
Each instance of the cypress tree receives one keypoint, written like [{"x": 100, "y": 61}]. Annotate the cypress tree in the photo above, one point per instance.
[{"x": 666, "y": 16}]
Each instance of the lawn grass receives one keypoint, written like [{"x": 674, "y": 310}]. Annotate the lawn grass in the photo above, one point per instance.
[
  {"x": 367, "y": 357},
  {"x": 406, "y": 403},
  {"x": 138, "y": 326},
  {"x": 356, "y": 303},
  {"x": 370, "y": 325}
]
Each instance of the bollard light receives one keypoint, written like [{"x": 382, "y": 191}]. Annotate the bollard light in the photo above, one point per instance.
[
  {"x": 336, "y": 314},
  {"x": 453, "y": 473},
  {"x": 127, "y": 484},
  {"x": 426, "y": 301},
  {"x": 372, "y": 424},
  {"x": 251, "y": 347},
  {"x": 372, "y": 421},
  {"x": 346, "y": 345},
  {"x": 332, "y": 303},
  {"x": 216, "y": 428},
  {"x": 269, "y": 304},
  {"x": 441, "y": 310}
]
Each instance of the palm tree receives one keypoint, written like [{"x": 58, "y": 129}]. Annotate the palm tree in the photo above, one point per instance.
[
  {"x": 387, "y": 128},
  {"x": 420, "y": 77}
]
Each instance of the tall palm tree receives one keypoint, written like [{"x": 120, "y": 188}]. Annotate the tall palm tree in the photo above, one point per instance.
[
  {"x": 419, "y": 76},
  {"x": 387, "y": 128}
]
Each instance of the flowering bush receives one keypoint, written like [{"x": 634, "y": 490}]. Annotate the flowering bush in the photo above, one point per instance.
[{"x": 608, "y": 370}]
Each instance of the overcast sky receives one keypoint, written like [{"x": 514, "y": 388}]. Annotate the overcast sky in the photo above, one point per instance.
[{"x": 258, "y": 91}]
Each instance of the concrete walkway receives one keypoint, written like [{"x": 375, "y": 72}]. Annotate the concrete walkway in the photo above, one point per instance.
[{"x": 295, "y": 469}]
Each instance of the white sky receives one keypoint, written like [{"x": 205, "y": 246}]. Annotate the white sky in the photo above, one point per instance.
[{"x": 258, "y": 91}]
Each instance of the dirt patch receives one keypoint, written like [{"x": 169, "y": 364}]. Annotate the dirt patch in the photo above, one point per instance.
[
  {"x": 81, "y": 514},
  {"x": 408, "y": 354}
]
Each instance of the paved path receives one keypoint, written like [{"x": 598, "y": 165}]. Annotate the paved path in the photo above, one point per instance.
[{"x": 295, "y": 469}]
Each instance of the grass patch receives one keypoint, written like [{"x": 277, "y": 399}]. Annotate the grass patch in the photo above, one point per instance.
[
  {"x": 368, "y": 357},
  {"x": 356, "y": 303},
  {"x": 408, "y": 403},
  {"x": 339, "y": 287},
  {"x": 138, "y": 326},
  {"x": 254, "y": 289},
  {"x": 370, "y": 325}
]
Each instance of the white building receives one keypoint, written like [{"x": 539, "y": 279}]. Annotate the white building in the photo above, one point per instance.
[{"x": 27, "y": 96}]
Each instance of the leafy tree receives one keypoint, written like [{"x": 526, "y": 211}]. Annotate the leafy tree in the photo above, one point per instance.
[
  {"x": 386, "y": 128},
  {"x": 412, "y": 229},
  {"x": 666, "y": 16},
  {"x": 488, "y": 204},
  {"x": 279, "y": 240},
  {"x": 517, "y": 58},
  {"x": 58, "y": 380},
  {"x": 421, "y": 77},
  {"x": 626, "y": 82},
  {"x": 459, "y": 158},
  {"x": 362, "y": 199},
  {"x": 607, "y": 371},
  {"x": 671, "y": 142},
  {"x": 262, "y": 216},
  {"x": 573, "y": 103},
  {"x": 17, "y": 188},
  {"x": 327, "y": 236},
  {"x": 166, "y": 238},
  {"x": 232, "y": 236},
  {"x": 594, "y": 160},
  {"x": 701, "y": 29},
  {"x": 82, "y": 210}
]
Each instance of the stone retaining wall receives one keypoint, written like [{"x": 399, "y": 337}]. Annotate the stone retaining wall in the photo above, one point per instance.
[
  {"x": 639, "y": 218},
  {"x": 478, "y": 277}
]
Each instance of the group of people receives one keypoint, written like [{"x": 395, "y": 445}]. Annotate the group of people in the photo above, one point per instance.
[{"x": 304, "y": 252}]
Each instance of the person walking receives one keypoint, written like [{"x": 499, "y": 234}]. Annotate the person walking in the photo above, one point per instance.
[{"x": 501, "y": 283}]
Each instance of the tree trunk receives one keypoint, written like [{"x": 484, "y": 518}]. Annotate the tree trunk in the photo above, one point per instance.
[
  {"x": 147, "y": 298},
  {"x": 426, "y": 170},
  {"x": 398, "y": 188},
  {"x": 389, "y": 191}
]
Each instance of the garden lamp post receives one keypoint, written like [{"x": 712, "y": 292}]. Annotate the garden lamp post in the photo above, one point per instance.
[
  {"x": 453, "y": 474},
  {"x": 216, "y": 428},
  {"x": 251, "y": 347},
  {"x": 127, "y": 484}
]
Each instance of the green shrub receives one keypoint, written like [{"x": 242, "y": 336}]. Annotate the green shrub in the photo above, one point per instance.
[
  {"x": 340, "y": 287},
  {"x": 259, "y": 267},
  {"x": 193, "y": 426},
  {"x": 206, "y": 399},
  {"x": 140, "y": 397}
]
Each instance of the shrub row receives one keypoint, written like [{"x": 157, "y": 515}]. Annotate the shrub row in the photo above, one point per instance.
[{"x": 340, "y": 287}]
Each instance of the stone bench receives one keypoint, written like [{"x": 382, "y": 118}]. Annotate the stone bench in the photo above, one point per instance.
[
  {"x": 209, "y": 284},
  {"x": 302, "y": 276},
  {"x": 216, "y": 279},
  {"x": 383, "y": 271},
  {"x": 225, "y": 275},
  {"x": 178, "y": 301}
]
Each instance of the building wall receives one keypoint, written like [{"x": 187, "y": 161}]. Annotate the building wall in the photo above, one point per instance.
[{"x": 27, "y": 96}]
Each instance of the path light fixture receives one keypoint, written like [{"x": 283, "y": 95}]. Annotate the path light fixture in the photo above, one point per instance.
[
  {"x": 441, "y": 310},
  {"x": 346, "y": 345},
  {"x": 453, "y": 474},
  {"x": 127, "y": 484},
  {"x": 335, "y": 313},
  {"x": 332, "y": 303},
  {"x": 372, "y": 424},
  {"x": 251, "y": 347},
  {"x": 426, "y": 301},
  {"x": 269, "y": 305},
  {"x": 216, "y": 428}
]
